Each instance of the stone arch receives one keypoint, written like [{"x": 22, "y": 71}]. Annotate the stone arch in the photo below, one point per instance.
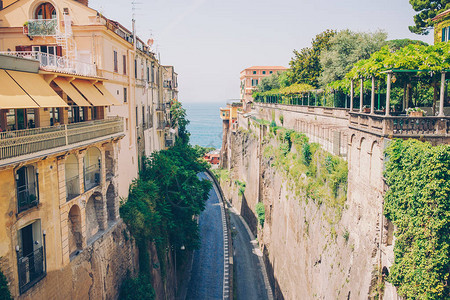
[
  {"x": 376, "y": 164},
  {"x": 111, "y": 203},
  {"x": 352, "y": 139},
  {"x": 75, "y": 236},
  {"x": 72, "y": 177},
  {"x": 94, "y": 215},
  {"x": 92, "y": 168}
]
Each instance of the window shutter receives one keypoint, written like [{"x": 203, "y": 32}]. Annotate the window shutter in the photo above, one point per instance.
[
  {"x": 443, "y": 34},
  {"x": 58, "y": 50}
]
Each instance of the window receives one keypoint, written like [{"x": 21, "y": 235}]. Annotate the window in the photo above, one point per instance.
[
  {"x": 264, "y": 72},
  {"x": 254, "y": 72},
  {"x": 54, "y": 116},
  {"x": 445, "y": 34},
  {"x": 91, "y": 167},
  {"x": 125, "y": 96},
  {"x": 270, "y": 72},
  {"x": 45, "y": 11},
  {"x": 148, "y": 74},
  {"x": 116, "y": 67},
  {"x": 152, "y": 66},
  {"x": 143, "y": 117},
  {"x": 124, "y": 59},
  {"x": 27, "y": 188},
  {"x": 135, "y": 69},
  {"x": 254, "y": 82},
  {"x": 31, "y": 255},
  {"x": 137, "y": 117}
]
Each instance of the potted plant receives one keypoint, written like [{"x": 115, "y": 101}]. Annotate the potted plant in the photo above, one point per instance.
[
  {"x": 415, "y": 112},
  {"x": 25, "y": 27},
  {"x": 366, "y": 109}
]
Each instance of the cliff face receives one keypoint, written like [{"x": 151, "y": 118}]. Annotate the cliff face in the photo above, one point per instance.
[{"x": 314, "y": 248}]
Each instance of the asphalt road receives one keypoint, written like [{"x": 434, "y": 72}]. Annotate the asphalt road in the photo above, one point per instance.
[
  {"x": 249, "y": 279},
  {"x": 207, "y": 267}
]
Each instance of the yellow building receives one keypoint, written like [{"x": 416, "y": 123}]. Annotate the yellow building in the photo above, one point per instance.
[
  {"x": 442, "y": 27},
  {"x": 229, "y": 115},
  {"x": 84, "y": 102}
]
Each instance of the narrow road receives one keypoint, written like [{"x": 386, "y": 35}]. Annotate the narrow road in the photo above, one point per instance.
[
  {"x": 208, "y": 264},
  {"x": 249, "y": 278}
]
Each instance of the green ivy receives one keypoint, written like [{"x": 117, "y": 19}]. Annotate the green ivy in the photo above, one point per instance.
[
  {"x": 4, "y": 290},
  {"x": 261, "y": 213},
  {"x": 241, "y": 187},
  {"x": 418, "y": 203}
]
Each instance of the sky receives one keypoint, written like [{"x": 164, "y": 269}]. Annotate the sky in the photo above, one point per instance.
[{"x": 211, "y": 41}]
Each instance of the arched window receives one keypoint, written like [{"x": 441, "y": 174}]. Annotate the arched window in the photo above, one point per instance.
[
  {"x": 72, "y": 177},
  {"x": 27, "y": 188},
  {"x": 45, "y": 11},
  {"x": 92, "y": 163}
]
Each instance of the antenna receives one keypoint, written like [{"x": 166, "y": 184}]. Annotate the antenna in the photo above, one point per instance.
[{"x": 133, "y": 21}]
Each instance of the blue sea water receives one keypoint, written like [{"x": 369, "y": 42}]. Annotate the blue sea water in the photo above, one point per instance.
[{"x": 205, "y": 123}]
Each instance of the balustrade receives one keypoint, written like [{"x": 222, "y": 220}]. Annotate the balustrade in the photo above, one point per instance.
[
  {"x": 22, "y": 142},
  {"x": 31, "y": 269}
]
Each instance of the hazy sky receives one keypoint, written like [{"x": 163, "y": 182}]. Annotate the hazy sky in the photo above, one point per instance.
[{"x": 210, "y": 41}]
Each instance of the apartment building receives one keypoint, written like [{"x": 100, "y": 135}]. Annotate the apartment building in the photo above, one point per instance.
[
  {"x": 251, "y": 77},
  {"x": 79, "y": 103},
  {"x": 170, "y": 96}
]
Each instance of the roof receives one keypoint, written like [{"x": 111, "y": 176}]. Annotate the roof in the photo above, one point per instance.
[
  {"x": 266, "y": 68},
  {"x": 442, "y": 14}
]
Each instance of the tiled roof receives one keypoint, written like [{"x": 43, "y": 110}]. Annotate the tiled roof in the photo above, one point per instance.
[{"x": 267, "y": 68}]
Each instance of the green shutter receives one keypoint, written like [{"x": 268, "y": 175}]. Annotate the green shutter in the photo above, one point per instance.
[{"x": 443, "y": 34}]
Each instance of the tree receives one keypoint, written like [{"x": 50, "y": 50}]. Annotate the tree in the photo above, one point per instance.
[
  {"x": 269, "y": 83},
  {"x": 395, "y": 45},
  {"x": 345, "y": 49},
  {"x": 426, "y": 11},
  {"x": 305, "y": 65}
]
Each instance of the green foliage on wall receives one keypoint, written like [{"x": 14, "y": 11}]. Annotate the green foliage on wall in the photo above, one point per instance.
[
  {"x": 260, "y": 213},
  {"x": 312, "y": 173},
  {"x": 241, "y": 187},
  {"x": 222, "y": 175},
  {"x": 418, "y": 203},
  {"x": 4, "y": 290},
  {"x": 138, "y": 287}
]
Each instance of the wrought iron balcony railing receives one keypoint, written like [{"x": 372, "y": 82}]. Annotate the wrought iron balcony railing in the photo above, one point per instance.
[
  {"x": 51, "y": 62},
  {"x": 43, "y": 27},
  {"x": 91, "y": 177},
  {"x": 22, "y": 142},
  {"x": 31, "y": 269},
  {"x": 73, "y": 187},
  {"x": 27, "y": 197}
]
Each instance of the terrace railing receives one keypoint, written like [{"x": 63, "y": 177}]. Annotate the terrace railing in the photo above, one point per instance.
[
  {"x": 73, "y": 187},
  {"x": 401, "y": 126},
  {"x": 22, "y": 142},
  {"x": 27, "y": 196},
  {"x": 31, "y": 269},
  {"x": 91, "y": 177},
  {"x": 51, "y": 62}
]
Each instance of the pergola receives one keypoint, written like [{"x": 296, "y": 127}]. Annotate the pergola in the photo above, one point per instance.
[{"x": 388, "y": 91}]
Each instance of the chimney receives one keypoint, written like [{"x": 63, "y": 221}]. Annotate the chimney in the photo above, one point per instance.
[{"x": 85, "y": 2}]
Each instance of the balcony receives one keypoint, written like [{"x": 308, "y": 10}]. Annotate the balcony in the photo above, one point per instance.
[
  {"x": 72, "y": 187},
  {"x": 91, "y": 177},
  {"x": 54, "y": 63},
  {"x": 161, "y": 125},
  {"x": 46, "y": 140},
  {"x": 401, "y": 126},
  {"x": 27, "y": 197},
  {"x": 46, "y": 27},
  {"x": 159, "y": 106},
  {"x": 31, "y": 269}
]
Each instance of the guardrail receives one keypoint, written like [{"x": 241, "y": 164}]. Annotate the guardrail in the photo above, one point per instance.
[
  {"x": 31, "y": 269},
  {"x": 52, "y": 62},
  {"x": 400, "y": 126},
  {"x": 22, "y": 142}
]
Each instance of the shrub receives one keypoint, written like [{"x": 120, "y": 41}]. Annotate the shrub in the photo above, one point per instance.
[{"x": 261, "y": 213}]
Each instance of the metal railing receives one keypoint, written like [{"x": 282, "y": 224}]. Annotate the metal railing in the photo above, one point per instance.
[
  {"x": 169, "y": 143},
  {"x": 27, "y": 197},
  {"x": 161, "y": 125},
  {"x": 91, "y": 177},
  {"x": 43, "y": 27},
  {"x": 400, "y": 126},
  {"x": 22, "y": 142},
  {"x": 52, "y": 62},
  {"x": 159, "y": 106},
  {"x": 72, "y": 187},
  {"x": 31, "y": 269}
]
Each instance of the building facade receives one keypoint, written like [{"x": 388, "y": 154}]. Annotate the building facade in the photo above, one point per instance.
[
  {"x": 251, "y": 77},
  {"x": 80, "y": 103}
]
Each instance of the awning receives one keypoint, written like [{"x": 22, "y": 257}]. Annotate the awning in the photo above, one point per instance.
[
  {"x": 12, "y": 95},
  {"x": 91, "y": 93},
  {"x": 107, "y": 94},
  {"x": 71, "y": 91},
  {"x": 39, "y": 90}
]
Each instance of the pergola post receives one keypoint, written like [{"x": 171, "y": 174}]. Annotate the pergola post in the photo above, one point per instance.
[
  {"x": 352, "y": 86},
  {"x": 388, "y": 93},
  {"x": 372, "y": 100},
  {"x": 361, "y": 96},
  {"x": 442, "y": 96}
]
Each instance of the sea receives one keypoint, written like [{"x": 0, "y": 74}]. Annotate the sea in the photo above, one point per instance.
[{"x": 205, "y": 123}]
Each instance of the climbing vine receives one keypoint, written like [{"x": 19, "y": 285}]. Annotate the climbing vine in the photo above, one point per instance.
[
  {"x": 4, "y": 290},
  {"x": 418, "y": 203},
  {"x": 312, "y": 173}
]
